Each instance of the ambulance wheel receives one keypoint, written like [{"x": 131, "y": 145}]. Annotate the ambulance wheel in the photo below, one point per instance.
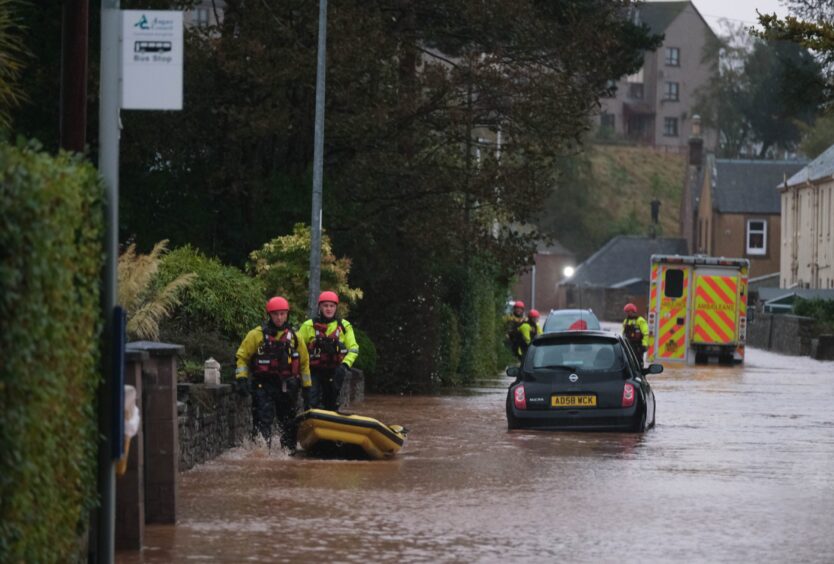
[
  {"x": 701, "y": 358},
  {"x": 725, "y": 359}
]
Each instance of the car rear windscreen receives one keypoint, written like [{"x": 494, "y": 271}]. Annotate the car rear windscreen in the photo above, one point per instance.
[
  {"x": 557, "y": 321},
  {"x": 579, "y": 355}
]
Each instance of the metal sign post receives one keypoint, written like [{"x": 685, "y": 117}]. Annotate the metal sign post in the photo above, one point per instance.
[
  {"x": 318, "y": 163},
  {"x": 152, "y": 80}
]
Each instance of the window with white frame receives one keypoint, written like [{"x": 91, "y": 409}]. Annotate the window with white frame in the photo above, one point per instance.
[
  {"x": 202, "y": 16},
  {"x": 673, "y": 57},
  {"x": 756, "y": 237}
]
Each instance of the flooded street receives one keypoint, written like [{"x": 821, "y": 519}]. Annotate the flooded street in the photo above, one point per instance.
[{"x": 740, "y": 468}]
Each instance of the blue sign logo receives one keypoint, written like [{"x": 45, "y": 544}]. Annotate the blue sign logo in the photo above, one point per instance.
[{"x": 142, "y": 23}]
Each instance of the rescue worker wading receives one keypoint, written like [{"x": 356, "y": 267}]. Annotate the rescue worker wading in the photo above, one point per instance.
[
  {"x": 636, "y": 331},
  {"x": 512, "y": 324},
  {"x": 528, "y": 330},
  {"x": 333, "y": 350},
  {"x": 272, "y": 364}
]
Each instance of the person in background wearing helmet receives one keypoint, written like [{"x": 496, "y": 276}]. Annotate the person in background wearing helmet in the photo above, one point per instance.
[
  {"x": 332, "y": 349},
  {"x": 528, "y": 330},
  {"x": 512, "y": 325},
  {"x": 272, "y": 364},
  {"x": 636, "y": 330}
]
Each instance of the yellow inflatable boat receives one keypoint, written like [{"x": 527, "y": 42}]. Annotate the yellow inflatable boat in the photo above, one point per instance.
[{"x": 327, "y": 433}]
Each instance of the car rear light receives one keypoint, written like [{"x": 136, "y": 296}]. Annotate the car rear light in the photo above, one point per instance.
[
  {"x": 651, "y": 322},
  {"x": 519, "y": 399},
  {"x": 628, "y": 395},
  {"x": 742, "y": 329}
]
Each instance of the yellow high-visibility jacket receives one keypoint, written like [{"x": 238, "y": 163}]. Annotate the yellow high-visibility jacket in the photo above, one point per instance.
[
  {"x": 254, "y": 339},
  {"x": 642, "y": 325},
  {"x": 526, "y": 330},
  {"x": 347, "y": 338}
]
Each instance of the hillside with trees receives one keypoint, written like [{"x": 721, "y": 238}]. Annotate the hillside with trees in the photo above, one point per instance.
[{"x": 606, "y": 190}]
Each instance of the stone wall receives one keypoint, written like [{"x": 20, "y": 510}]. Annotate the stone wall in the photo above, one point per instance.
[
  {"x": 214, "y": 418},
  {"x": 782, "y": 333}
]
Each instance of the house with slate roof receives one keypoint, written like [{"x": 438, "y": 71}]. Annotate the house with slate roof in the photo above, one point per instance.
[
  {"x": 807, "y": 247},
  {"x": 654, "y": 105},
  {"x": 738, "y": 211},
  {"x": 616, "y": 274}
]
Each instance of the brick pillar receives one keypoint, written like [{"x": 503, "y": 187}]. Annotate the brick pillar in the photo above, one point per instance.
[
  {"x": 130, "y": 488},
  {"x": 159, "y": 387}
]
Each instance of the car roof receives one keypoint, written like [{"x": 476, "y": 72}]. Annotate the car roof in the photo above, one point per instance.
[
  {"x": 580, "y": 333},
  {"x": 582, "y": 311}
]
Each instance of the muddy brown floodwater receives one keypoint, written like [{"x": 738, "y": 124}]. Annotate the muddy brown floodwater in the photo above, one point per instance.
[{"x": 740, "y": 468}]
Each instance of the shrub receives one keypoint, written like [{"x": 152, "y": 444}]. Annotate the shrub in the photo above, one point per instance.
[
  {"x": 145, "y": 304},
  {"x": 220, "y": 297},
  {"x": 821, "y": 310},
  {"x": 283, "y": 265},
  {"x": 447, "y": 356},
  {"x": 366, "y": 361},
  {"x": 50, "y": 265},
  {"x": 217, "y": 309}
]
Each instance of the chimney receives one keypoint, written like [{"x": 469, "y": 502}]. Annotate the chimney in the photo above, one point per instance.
[{"x": 696, "y": 143}]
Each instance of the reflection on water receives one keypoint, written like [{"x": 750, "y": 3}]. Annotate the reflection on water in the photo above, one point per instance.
[{"x": 739, "y": 468}]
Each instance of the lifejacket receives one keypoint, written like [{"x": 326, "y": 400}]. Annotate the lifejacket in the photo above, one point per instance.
[
  {"x": 277, "y": 355},
  {"x": 327, "y": 350},
  {"x": 513, "y": 325},
  {"x": 633, "y": 332}
]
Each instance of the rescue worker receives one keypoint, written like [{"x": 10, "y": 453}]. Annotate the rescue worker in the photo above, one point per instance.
[
  {"x": 636, "y": 331},
  {"x": 528, "y": 330},
  {"x": 332, "y": 349},
  {"x": 272, "y": 364},
  {"x": 512, "y": 325}
]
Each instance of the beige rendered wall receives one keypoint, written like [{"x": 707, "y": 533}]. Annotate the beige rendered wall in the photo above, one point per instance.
[{"x": 806, "y": 239}]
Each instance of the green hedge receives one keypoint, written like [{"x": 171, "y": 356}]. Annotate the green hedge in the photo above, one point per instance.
[
  {"x": 217, "y": 309},
  {"x": 821, "y": 310},
  {"x": 222, "y": 297},
  {"x": 448, "y": 351},
  {"x": 50, "y": 266},
  {"x": 366, "y": 361}
]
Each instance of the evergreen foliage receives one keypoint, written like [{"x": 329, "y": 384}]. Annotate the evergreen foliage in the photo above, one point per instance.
[
  {"x": 146, "y": 305},
  {"x": 283, "y": 267},
  {"x": 821, "y": 310},
  {"x": 51, "y": 258}
]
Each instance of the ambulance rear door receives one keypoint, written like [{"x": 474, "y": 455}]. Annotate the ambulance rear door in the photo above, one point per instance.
[{"x": 673, "y": 312}]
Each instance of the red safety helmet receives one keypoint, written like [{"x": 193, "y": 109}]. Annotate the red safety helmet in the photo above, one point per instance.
[
  {"x": 534, "y": 314},
  {"x": 277, "y": 304},
  {"x": 630, "y": 308},
  {"x": 329, "y": 296},
  {"x": 519, "y": 303}
]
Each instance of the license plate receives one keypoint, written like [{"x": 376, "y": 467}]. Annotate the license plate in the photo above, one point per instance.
[{"x": 573, "y": 401}]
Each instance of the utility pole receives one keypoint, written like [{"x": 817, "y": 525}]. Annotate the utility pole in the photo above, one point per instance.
[
  {"x": 109, "y": 132},
  {"x": 74, "y": 39},
  {"x": 318, "y": 165}
]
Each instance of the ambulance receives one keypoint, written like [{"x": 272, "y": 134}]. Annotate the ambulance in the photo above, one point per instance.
[{"x": 697, "y": 309}]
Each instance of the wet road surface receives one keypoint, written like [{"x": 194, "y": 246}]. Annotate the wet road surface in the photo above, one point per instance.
[{"x": 740, "y": 468}]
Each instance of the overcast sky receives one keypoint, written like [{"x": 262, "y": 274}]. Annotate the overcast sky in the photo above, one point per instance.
[{"x": 738, "y": 11}]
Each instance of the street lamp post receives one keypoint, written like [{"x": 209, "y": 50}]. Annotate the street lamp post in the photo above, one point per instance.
[{"x": 318, "y": 165}]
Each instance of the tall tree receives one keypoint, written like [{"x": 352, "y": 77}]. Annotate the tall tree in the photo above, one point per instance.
[
  {"x": 761, "y": 95},
  {"x": 444, "y": 122}
]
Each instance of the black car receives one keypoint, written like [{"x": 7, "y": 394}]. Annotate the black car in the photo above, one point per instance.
[{"x": 581, "y": 380}]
